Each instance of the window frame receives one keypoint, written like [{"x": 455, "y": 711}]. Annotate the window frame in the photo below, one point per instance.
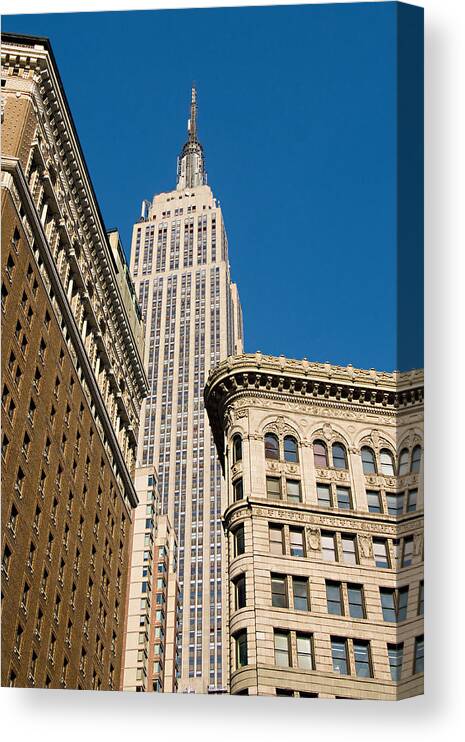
[
  {"x": 237, "y": 454},
  {"x": 268, "y": 438},
  {"x": 368, "y": 462},
  {"x": 279, "y": 595},
  {"x": 318, "y": 465},
  {"x": 343, "y": 457},
  {"x": 289, "y": 452}
]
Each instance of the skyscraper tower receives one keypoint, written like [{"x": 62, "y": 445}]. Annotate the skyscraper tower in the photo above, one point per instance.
[{"x": 192, "y": 316}]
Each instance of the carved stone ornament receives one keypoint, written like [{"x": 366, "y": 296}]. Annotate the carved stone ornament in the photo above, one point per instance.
[
  {"x": 418, "y": 544},
  {"x": 242, "y": 412},
  {"x": 366, "y": 546},
  {"x": 314, "y": 539},
  {"x": 327, "y": 432},
  {"x": 227, "y": 419},
  {"x": 281, "y": 425},
  {"x": 375, "y": 438}
]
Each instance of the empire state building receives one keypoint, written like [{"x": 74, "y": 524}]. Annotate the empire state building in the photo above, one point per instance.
[{"x": 193, "y": 320}]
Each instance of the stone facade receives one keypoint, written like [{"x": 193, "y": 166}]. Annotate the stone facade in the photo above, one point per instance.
[
  {"x": 324, "y": 522},
  {"x": 72, "y": 385}
]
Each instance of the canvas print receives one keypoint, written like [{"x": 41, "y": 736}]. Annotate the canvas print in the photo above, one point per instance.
[{"x": 212, "y": 387}]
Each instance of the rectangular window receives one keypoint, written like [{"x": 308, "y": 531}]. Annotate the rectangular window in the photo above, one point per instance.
[
  {"x": 356, "y": 603},
  {"x": 421, "y": 598},
  {"x": 419, "y": 660},
  {"x": 241, "y": 649},
  {"x": 334, "y": 598},
  {"x": 388, "y": 604},
  {"x": 394, "y": 603},
  {"x": 380, "y": 552},
  {"x": 362, "y": 659},
  {"x": 276, "y": 540},
  {"x": 395, "y": 503},
  {"x": 238, "y": 490},
  {"x": 339, "y": 655},
  {"x": 395, "y": 654},
  {"x": 412, "y": 501},
  {"x": 323, "y": 494},
  {"x": 278, "y": 591},
  {"x": 296, "y": 539},
  {"x": 328, "y": 546},
  {"x": 402, "y": 603},
  {"x": 273, "y": 488},
  {"x": 239, "y": 545},
  {"x": 407, "y": 551},
  {"x": 304, "y": 651},
  {"x": 343, "y": 498},
  {"x": 374, "y": 503},
  {"x": 281, "y": 648},
  {"x": 349, "y": 549},
  {"x": 240, "y": 592},
  {"x": 300, "y": 593},
  {"x": 293, "y": 490}
]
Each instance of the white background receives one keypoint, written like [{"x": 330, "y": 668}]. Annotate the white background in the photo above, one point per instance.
[{"x": 77, "y": 715}]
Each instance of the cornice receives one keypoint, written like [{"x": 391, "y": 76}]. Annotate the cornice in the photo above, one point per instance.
[
  {"x": 13, "y": 167},
  {"x": 320, "y": 384},
  {"x": 36, "y": 54},
  {"x": 322, "y": 517}
]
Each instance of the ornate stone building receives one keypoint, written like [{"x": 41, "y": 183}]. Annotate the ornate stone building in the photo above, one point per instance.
[
  {"x": 192, "y": 316},
  {"x": 324, "y": 523},
  {"x": 72, "y": 385}
]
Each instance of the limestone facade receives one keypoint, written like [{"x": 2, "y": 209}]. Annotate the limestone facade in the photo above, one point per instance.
[
  {"x": 324, "y": 522},
  {"x": 72, "y": 385}
]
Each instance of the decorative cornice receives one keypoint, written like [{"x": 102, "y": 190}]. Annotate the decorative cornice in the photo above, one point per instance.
[
  {"x": 36, "y": 54},
  {"x": 280, "y": 378},
  {"x": 13, "y": 167},
  {"x": 408, "y": 523}
]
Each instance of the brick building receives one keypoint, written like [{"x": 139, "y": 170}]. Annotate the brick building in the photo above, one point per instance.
[{"x": 72, "y": 385}]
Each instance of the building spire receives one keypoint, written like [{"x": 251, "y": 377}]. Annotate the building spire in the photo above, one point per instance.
[
  {"x": 192, "y": 123},
  {"x": 191, "y": 162}
]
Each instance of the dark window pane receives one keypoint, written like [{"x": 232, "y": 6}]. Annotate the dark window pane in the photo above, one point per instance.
[
  {"x": 368, "y": 461},
  {"x": 320, "y": 454},
  {"x": 362, "y": 659},
  {"x": 339, "y": 456},
  {"x": 355, "y": 594},
  {"x": 416, "y": 459},
  {"x": 339, "y": 655},
  {"x": 271, "y": 446},
  {"x": 291, "y": 451}
]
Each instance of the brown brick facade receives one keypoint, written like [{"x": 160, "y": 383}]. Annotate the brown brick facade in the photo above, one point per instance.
[{"x": 67, "y": 453}]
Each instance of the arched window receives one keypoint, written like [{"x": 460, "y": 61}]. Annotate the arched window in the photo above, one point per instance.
[
  {"x": 416, "y": 460},
  {"x": 271, "y": 446},
  {"x": 387, "y": 462},
  {"x": 403, "y": 462},
  {"x": 291, "y": 451},
  {"x": 368, "y": 460},
  {"x": 237, "y": 448},
  {"x": 339, "y": 456},
  {"x": 320, "y": 454}
]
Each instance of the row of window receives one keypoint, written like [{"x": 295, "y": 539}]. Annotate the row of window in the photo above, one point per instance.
[
  {"x": 335, "y": 546},
  {"x": 336, "y": 456},
  {"x": 342, "y": 598},
  {"x": 349, "y": 656},
  {"x": 335, "y": 496}
]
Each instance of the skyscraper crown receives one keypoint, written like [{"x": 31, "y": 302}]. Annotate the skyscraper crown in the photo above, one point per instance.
[{"x": 191, "y": 162}]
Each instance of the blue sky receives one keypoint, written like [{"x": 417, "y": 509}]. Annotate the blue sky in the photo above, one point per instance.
[{"x": 297, "y": 115}]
